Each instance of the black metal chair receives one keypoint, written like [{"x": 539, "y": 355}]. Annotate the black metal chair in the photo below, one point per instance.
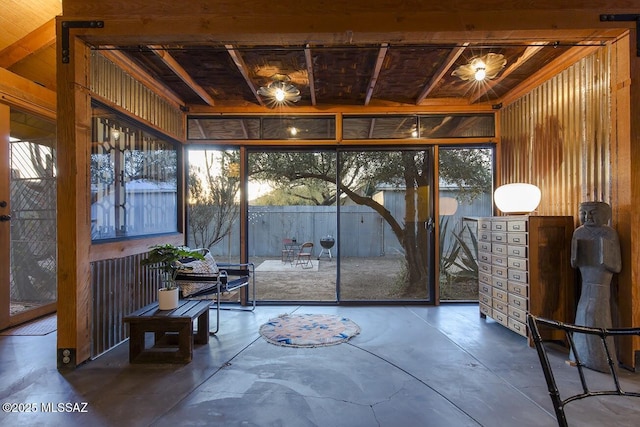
[
  {"x": 229, "y": 277},
  {"x": 558, "y": 402}
]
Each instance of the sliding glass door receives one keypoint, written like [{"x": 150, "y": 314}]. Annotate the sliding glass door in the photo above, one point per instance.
[
  {"x": 292, "y": 214},
  {"x": 366, "y": 216},
  {"x": 386, "y": 225}
]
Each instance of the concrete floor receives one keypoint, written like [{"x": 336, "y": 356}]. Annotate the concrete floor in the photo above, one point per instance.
[{"x": 410, "y": 366}]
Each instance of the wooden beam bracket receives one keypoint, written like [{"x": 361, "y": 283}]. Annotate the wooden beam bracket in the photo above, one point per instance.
[
  {"x": 66, "y": 25},
  {"x": 625, "y": 17}
]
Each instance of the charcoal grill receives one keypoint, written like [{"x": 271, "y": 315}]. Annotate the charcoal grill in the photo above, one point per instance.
[{"x": 326, "y": 243}]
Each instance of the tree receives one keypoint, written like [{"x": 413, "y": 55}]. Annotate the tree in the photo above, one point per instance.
[
  {"x": 361, "y": 173},
  {"x": 213, "y": 192}
]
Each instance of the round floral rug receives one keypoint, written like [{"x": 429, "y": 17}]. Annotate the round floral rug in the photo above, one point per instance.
[{"x": 308, "y": 330}]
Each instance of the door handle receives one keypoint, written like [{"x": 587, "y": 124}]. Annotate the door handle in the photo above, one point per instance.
[
  {"x": 5, "y": 218},
  {"x": 430, "y": 225}
]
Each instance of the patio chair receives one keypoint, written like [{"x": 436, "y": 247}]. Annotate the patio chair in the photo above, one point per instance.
[
  {"x": 289, "y": 247},
  {"x": 207, "y": 278},
  {"x": 558, "y": 402},
  {"x": 303, "y": 257}
]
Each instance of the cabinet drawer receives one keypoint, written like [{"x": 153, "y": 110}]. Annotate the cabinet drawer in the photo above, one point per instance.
[
  {"x": 484, "y": 277},
  {"x": 500, "y": 317},
  {"x": 516, "y": 302},
  {"x": 484, "y": 267},
  {"x": 518, "y": 276},
  {"x": 499, "y": 237},
  {"x": 484, "y": 246},
  {"x": 498, "y": 249},
  {"x": 499, "y": 260},
  {"x": 518, "y": 289},
  {"x": 517, "y": 225},
  {"x": 517, "y": 238},
  {"x": 485, "y": 299},
  {"x": 500, "y": 283},
  {"x": 517, "y": 263},
  {"x": 517, "y": 251},
  {"x": 517, "y": 314},
  {"x": 484, "y": 257},
  {"x": 500, "y": 306},
  {"x": 498, "y": 225},
  {"x": 485, "y": 309},
  {"x": 499, "y": 271},
  {"x": 484, "y": 235},
  {"x": 517, "y": 327},
  {"x": 484, "y": 225},
  {"x": 485, "y": 288},
  {"x": 499, "y": 294}
]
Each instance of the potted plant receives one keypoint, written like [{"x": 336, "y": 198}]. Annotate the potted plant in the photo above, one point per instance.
[{"x": 167, "y": 258}]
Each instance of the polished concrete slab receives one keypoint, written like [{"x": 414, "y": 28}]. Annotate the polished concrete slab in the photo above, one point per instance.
[{"x": 409, "y": 366}]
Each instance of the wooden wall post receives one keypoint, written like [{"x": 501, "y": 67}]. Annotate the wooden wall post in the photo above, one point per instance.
[
  {"x": 629, "y": 290},
  {"x": 74, "y": 190},
  {"x": 625, "y": 191}
]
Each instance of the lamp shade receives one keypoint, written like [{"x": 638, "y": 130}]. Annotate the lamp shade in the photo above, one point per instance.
[
  {"x": 517, "y": 198},
  {"x": 448, "y": 206}
]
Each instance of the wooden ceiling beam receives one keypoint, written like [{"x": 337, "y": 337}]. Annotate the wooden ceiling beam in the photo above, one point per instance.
[
  {"x": 382, "y": 53},
  {"x": 43, "y": 36},
  {"x": 444, "y": 68},
  {"x": 312, "y": 85},
  {"x": 244, "y": 70},
  {"x": 554, "y": 67},
  {"x": 171, "y": 62},
  {"x": 129, "y": 66},
  {"x": 528, "y": 53}
]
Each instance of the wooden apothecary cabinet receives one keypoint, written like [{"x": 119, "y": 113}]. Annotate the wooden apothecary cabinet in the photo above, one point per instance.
[{"x": 524, "y": 266}]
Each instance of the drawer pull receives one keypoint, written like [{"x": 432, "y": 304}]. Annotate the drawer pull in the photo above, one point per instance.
[
  {"x": 517, "y": 302},
  {"x": 498, "y": 238},
  {"x": 516, "y": 327},
  {"x": 516, "y": 239},
  {"x": 498, "y": 226},
  {"x": 516, "y": 227},
  {"x": 516, "y": 264},
  {"x": 516, "y": 276},
  {"x": 498, "y": 249},
  {"x": 516, "y": 315},
  {"x": 516, "y": 252},
  {"x": 518, "y": 291}
]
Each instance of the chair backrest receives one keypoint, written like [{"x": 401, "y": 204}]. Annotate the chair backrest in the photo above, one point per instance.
[
  {"x": 306, "y": 247},
  {"x": 569, "y": 330}
]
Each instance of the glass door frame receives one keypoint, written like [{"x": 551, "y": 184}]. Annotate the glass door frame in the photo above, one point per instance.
[{"x": 6, "y": 319}]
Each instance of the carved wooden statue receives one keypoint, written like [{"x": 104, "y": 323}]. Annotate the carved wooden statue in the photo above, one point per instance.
[{"x": 595, "y": 251}]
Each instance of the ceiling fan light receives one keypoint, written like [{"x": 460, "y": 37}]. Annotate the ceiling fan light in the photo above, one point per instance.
[
  {"x": 481, "y": 74},
  {"x": 489, "y": 65},
  {"x": 279, "y": 90}
]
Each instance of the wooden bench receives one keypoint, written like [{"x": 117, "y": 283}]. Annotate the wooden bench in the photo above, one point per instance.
[{"x": 173, "y": 332}]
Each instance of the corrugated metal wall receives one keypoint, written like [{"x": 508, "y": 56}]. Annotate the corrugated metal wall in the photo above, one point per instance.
[
  {"x": 113, "y": 84},
  {"x": 120, "y": 286},
  {"x": 558, "y": 137}
]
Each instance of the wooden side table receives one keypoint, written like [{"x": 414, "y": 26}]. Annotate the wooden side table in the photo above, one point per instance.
[{"x": 173, "y": 332}]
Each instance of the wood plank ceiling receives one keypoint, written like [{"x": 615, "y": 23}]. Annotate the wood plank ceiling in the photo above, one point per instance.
[
  {"x": 384, "y": 73},
  {"x": 380, "y": 74}
]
